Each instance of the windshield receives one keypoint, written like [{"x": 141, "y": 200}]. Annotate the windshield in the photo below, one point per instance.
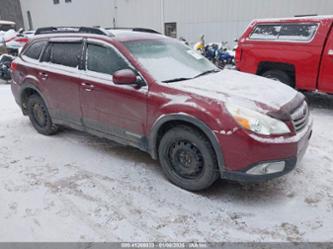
[
  {"x": 6, "y": 27},
  {"x": 170, "y": 61}
]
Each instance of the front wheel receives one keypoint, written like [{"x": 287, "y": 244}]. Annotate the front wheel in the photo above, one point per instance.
[
  {"x": 188, "y": 159},
  {"x": 39, "y": 116}
]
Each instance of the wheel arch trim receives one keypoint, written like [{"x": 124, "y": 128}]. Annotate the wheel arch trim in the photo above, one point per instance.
[
  {"x": 183, "y": 117},
  {"x": 28, "y": 85}
]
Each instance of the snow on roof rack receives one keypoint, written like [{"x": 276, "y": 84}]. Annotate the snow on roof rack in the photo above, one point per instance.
[
  {"x": 144, "y": 30},
  {"x": 64, "y": 29}
]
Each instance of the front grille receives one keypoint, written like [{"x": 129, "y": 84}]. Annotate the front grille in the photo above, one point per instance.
[{"x": 300, "y": 117}]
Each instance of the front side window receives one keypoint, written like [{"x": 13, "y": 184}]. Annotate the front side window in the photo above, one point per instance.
[
  {"x": 63, "y": 53},
  {"x": 35, "y": 50},
  {"x": 168, "y": 60},
  {"x": 104, "y": 59},
  {"x": 284, "y": 32}
]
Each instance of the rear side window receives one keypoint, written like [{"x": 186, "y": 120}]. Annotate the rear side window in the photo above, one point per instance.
[
  {"x": 303, "y": 32},
  {"x": 104, "y": 59},
  {"x": 284, "y": 32},
  {"x": 63, "y": 53},
  {"x": 35, "y": 50}
]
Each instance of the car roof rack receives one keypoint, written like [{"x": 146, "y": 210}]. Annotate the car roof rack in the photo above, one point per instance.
[
  {"x": 144, "y": 30},
  {"x": 69, "y": 29}
]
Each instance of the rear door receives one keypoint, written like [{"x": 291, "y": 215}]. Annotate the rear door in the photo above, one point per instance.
[
  {"x": 61, "y": 76},
  {"x": 326, "y": 72}
]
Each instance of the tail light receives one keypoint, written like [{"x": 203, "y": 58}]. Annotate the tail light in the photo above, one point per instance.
[
  {"x": 13, "y": 66},
  {"x": 238, "y": 56},
  {"x": 22, "y": 39}
]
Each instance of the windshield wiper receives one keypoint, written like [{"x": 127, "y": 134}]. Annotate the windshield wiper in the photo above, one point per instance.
[
  {"x": 208, "y": 72},
  {"x": 199, "y": 75},
  {"x": 176, "y": 80}
]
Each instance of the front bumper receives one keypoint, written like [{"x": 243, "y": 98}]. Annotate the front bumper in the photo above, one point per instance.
[{"x": 246, "y": 174}]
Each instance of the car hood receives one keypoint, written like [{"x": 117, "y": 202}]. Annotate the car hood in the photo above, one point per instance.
[{"x": 230, "y": 85}]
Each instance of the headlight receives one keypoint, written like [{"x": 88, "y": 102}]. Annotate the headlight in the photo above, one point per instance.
[{"x": 257, "y": 122}]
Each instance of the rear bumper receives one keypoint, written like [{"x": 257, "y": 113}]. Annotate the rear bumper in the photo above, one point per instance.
[
  {"x": 290, "y": 163},
  {"x": 16, "y": 92}
]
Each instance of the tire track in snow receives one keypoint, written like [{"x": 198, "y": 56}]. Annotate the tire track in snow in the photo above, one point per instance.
[{"x": 122, "y": 209}]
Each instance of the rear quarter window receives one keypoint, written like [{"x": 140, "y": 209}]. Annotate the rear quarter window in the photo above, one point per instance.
[
  {"x": 284, "y": 32},
  {"x": 35, "y": 49}
]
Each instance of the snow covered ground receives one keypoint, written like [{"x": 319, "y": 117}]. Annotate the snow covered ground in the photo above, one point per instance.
[{"x": 76, "y": 187}]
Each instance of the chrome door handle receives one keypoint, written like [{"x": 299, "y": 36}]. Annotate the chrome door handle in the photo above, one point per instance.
[
  {"x": 330, "y": 52},
  {"x": 87, "y": 87},
  {"x": 43, "y": 76}
]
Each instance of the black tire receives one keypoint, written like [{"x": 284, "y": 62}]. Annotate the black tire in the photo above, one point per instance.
[
  {"x": 188, "y": 159},
  {"x": 39, "y": 116},
  {"x": 279, "y": 75}
]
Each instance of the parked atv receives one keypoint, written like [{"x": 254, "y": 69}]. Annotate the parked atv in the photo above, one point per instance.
[
  {"x": 224, "y": 57},
  {"x": 210, "y": 52},
  {"x": 5, "y": 62}
]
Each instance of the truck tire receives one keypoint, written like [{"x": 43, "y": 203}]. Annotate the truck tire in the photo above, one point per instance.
[
  {"x": 188, "y": 159},
  {"x": 39, "y": 116},
  {"x": 279, "y": 75}
]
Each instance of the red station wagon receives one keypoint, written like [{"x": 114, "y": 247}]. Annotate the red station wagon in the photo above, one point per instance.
[
  {"x": 156, "y": 94},
  {"x": 295, "y": 51}
]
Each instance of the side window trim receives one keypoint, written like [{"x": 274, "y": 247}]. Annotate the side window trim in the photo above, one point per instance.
[
  {"x": 43, "y": 50},
  {"x": 106, "y": 45},
  {"x": 51, "y": 42}
]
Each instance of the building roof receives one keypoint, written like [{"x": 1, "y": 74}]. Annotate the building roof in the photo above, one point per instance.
[{"x": 7, "y": 22}]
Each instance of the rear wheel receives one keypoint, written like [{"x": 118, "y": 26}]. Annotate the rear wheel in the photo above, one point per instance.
[
  {"x": 39, "y": 116},
  {"x": 280, "y": 76},
  {"x": 188, "y": 159}
]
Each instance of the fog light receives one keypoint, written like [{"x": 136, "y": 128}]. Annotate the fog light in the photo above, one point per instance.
[{"x": 267, "y": 168}]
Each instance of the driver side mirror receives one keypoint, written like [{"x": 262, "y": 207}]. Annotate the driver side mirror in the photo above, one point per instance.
[{"x": 124, "y": 77}]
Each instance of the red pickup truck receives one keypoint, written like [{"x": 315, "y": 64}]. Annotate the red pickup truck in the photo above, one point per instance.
[{"x": 295, "y": 51}]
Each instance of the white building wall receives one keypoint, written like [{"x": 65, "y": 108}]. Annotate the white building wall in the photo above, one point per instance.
[
  {"x": 219, "y": 20},
  {"x": 104, "y": 13},
  {"x": 139, "y": 13},
  {"x": 79, "y": 12},
  {"x": 225, "y": 20}
]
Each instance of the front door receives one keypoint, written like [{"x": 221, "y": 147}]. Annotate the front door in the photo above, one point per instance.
[
  {"x": 326, "y": 72},
  {"x": 116, "y": 110}
]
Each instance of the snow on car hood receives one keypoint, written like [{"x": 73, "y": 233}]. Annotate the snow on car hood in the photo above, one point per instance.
[{"x": 230, "y": 84}]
